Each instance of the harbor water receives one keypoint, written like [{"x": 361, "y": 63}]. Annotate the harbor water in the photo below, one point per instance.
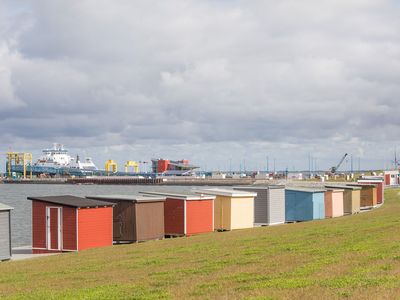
[{"x": 15, "y": 195}]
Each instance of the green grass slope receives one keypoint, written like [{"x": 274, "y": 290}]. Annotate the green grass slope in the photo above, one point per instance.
[{"x": 348, "y": 257}]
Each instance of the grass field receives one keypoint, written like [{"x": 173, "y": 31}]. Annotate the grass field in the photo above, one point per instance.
[{"x": 348, "y": 257}]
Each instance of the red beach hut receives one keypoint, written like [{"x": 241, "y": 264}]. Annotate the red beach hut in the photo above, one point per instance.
[
  {"x": 68, "y": 223},
  {"x": 187, "y": 214}
]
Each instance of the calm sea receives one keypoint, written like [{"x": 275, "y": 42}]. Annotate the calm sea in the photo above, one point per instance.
[{"x": 21, "y": 217}]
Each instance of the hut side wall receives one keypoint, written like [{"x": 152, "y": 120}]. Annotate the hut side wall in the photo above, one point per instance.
[
  {"x": 69, "y": 228},
  {"x": 300, "y": 206},
  {"x": 276, "y": 203},
  {"x": 318, "y": 205},
  {"x": 39, "y": 225},
  {"x": 368, "y": 196},
  {"x": 261, "y": 202},
  {"x": 199, "y": 216},
  {"x": 149, "y": 221},
  {"x": 337, "y": 204},
  {"x": 328, "y": 204},
  {"x": 222, "y": 213},
  {"x": 356, "y": 201},
  {"x": 124, "y": 225},
  {"x": 5, "y": 242},
  {"x": 174, "y": 216},
  {"x": 95, "y": 227},
  {"x": 242, "y": 212},
  {"x": 351, "y": 201}
]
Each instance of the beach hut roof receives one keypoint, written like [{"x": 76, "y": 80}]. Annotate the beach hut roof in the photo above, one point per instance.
[
  {"x": 348, "y": 187},
  {"x": 226, "y": 192},
  {"x": 306, "y": 189},
  {"x": 5, "y": 207},
  {"x": 73, "y": 201},
  {"x": 129, "y": 198},
  {"x": 188, "y": 197}
]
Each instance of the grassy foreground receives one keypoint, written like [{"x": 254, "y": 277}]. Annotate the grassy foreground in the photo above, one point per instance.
[{"x": 348, "y": 257}]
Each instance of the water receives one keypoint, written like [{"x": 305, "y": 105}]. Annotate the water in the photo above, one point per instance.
[{"x": 21, "y": 217}]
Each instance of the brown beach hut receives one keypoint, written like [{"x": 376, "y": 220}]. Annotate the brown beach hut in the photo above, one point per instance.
[
  {"x": 368, "y": 195},
  {"x": 136, "y": 218}
]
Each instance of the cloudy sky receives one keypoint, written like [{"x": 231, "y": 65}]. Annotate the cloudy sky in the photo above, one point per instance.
[{"x": 222, "y": 83}]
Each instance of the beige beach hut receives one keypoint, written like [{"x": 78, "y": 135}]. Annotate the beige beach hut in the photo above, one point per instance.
[
  {"x": 333, "y": 202},
  {"x": 232, "y": 209}
]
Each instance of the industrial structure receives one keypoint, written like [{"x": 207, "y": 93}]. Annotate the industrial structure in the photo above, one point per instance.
[
  {"x": 20, "y": 159},
  {"x": 133, "y": 164},
  {"x": 172, "y": 167},
  {"x": 111, "y": 166},
  {"x": 334, "y": 169}
]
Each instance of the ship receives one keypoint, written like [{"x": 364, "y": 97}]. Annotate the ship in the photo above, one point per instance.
[{"x": 57, "y": 161}]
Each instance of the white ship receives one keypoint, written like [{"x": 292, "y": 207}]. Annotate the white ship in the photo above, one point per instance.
[{"x": 58, "y": 157}]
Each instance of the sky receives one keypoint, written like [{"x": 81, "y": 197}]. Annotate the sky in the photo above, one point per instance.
[{"x": 225, "y": 83}]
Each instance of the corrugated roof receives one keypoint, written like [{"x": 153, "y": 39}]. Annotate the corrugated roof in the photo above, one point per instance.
[
  {"x": 73, "y": 201},
  {"x": 132, "y": 198},
  {"x": 5, "y": 207},
  {"x": 343, "y": 187},
  {"x": 377, "y": 180},
  {"x": 259, "y": 187},
  {"x": 334, "y": 189},
  {"x": 226, "y": 192},
  {"x": 180, "y": 196},
  {"x": 306, "y": 189},
  {"x": 364, "y": 184}
]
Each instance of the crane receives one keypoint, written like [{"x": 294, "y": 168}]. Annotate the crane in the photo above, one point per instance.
[{"x": 334, "y": 169}]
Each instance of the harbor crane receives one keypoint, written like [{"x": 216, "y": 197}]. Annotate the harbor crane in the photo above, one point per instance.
[{"x": 334, "y": 169}]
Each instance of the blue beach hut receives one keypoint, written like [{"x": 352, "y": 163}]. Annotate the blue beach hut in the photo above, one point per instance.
[{"x": 304, "y": 204}]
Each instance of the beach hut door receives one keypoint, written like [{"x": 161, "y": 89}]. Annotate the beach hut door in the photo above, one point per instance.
[{"x": 53, "y": 225}]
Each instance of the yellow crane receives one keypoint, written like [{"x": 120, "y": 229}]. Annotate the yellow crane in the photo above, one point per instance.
[
  {"x": 131, "y": 163},
  {"x": 111, "y": 165},
  {"x": 17, "y": 158}
]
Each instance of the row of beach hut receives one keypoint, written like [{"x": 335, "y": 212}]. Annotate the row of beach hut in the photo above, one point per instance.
[{"x": 69, "y": 223}]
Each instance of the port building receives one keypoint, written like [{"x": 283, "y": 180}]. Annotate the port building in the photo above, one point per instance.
[
  {"x": 392, "y": 178},
  {"x": 172, "y": 167}
]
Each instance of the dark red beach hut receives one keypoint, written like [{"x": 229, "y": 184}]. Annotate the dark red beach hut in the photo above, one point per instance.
[
  {"x": 68, "y": 223},
  {"x": 187, "y": 214}
]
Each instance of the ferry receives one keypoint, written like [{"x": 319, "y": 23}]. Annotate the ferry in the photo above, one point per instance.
[{"x": 57, "y": 161}]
